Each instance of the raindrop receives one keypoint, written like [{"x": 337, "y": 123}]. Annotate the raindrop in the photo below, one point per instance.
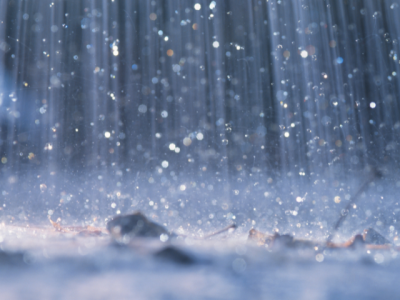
[
  {"x": 319, "y": 257},
  {"x": 199, "y": 136},
  {"x": 326, "y": 120},
  {"x": 376, "y": 14},
  {"x": 142, "y": 108},
  {"x": 281, "y": 95},
  {"x": 85, "y": 23},
  {"x": 187, "y": 141},
  {"x": 339, "y": 60}
]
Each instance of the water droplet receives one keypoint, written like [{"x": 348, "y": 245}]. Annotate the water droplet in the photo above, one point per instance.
[
  {"x": 187, "y": 141},
  {"x": 304, "y": 54},
  {"x": 199, "y": 136},
  {"x": 339, "y": 60},
  {"x": 281, "y": 95},
  {"x": 164, "y": 237},
  {"x": 142, "y": 108},
  {"x": 379, "y": 258}
]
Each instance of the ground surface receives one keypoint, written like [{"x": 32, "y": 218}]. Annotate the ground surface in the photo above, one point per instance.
[{"x": 40, "y": 263}]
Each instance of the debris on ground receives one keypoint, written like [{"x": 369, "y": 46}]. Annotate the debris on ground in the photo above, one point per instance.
[
  {"x": 82, "y": 231},
  {"x": 370, "y": 239}
]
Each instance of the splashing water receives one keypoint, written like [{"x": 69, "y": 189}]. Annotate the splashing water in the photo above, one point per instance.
[{"x": 198, "y": 112}]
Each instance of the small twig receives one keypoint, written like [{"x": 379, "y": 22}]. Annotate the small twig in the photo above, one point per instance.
[
  {"x": 375, "y": 173},
  {"x": 233, "y": 226},
  {"x": 56, "y": 225}
]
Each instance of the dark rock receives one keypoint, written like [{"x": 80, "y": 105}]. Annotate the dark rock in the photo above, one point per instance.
[
  {"x": 371, "y": 236},
  {"x": 125, "y": 227},
  {"x": 357, "y": 242},
  {"x": 8, "y": 258},
  {"x": 173, "y": 254},
  {"x": 278, "y": 241}
]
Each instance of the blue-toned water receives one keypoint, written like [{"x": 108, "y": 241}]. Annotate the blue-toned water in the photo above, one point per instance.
[{"x": 271, "y": 114}]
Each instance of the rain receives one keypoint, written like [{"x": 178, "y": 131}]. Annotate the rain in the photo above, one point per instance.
[{"x": 277, "y": 116}]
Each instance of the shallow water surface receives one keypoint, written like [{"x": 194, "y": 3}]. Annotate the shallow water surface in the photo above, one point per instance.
[{"x": 43, "y": 264}]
